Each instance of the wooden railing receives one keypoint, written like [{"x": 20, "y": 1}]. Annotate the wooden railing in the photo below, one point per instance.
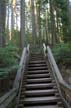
[
  {"x": 63, "y": 87},
  {"x": 9, "y": 99},
  {"x": 44, "y": 49}
]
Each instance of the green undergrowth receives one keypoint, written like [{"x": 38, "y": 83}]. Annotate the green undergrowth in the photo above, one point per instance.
[
  {"x": 9, "y": 57},
  {"x": 62, "y": 53}
]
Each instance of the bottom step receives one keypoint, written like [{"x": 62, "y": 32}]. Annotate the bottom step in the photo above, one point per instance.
[{"x": 55, "y": 106}]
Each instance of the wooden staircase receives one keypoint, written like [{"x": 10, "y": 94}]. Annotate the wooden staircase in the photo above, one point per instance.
[{"x": 38, "y": 88}]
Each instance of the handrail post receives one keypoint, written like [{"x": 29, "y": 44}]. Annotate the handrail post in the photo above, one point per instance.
[
  {"x": 44, "y": 49},
  {"x": 28, "y": 48}
]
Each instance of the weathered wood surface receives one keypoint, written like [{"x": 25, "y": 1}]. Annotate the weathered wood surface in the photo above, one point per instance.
[
  {"x": 61, "y": 84},
  {"x": 21, "y": 67},
  {"x": 22, "y": 64},
  {"x": 44, "y": 48},
  {"x": 57, "y": 72}
]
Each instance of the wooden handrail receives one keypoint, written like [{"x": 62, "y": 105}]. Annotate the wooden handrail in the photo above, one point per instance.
[
  {"x": 57, "y": 72},
  {"x": 8, "y": 98},
  {"x": 28, "y": 48},
  {"x": 18, "y": 76},
  {"x": 21, "y": 66},
  {"x": 62, "y": 84},
  {"x": 44, "y": 48}
]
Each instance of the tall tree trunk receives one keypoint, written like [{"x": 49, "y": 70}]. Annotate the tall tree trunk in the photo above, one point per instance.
[
  {"x": 13, "y": 6},
  {"x": 2, "y": 22},
  {"x": 69, "y": 11},
  {"x": 46, "y": 26},
  {"x": 33, "y": 22},
  {"x": 53, "y": 27},
  {"x": 22, "y": 23},
  {"x": 57, "y": 24},
  {"x": 7, "y": 20},
  {"x": 8, "y": 14},
  {"x": 12, "y": 19},
  {"x": 39, "y": 20}
]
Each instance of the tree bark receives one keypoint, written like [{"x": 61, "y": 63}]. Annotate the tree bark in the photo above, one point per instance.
[
  {"x": 46, "y": 27},
  {"x": 33, "y": 22},
  {"x": 39, "y": 20},
  {"x": 8, "y": 15},
  {"x": 2, "y": 22},
  {"x": 69, "y": 11},
  {"x": 53, "y": 27},
  {"x": 12, "y": 17},
  {"x": 22, "y": 23}
]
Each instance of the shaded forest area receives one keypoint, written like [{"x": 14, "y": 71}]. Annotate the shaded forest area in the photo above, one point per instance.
[{"x": 33, "y": 22}]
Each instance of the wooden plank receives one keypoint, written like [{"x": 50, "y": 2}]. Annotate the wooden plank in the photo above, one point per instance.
[
  {"x": 38, "y": 68},
  {"x": 38, "y": 75},
  {"x": 40, "y": 86},
  {"x": 39, "y": 80},
  {"x": 37, "y": 71},
  {"x": 52, "y": 60},
  {"x": 19, "y": 72},
  {"x": 64, "y": 85},
  {"x": 47, "y": 92},
  {"x": 44, "y": 49},
  {"x": 40, "y": 100},
  {"x": 37, "y": 62},
  {"x": 44, "y": 106},
  {"x": 61, "y": 84},
  {"x": 22, "y": 64}
]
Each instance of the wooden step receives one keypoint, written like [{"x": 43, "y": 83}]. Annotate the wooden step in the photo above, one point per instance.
[
  {"x": 38, "y": 75},
  {"x": 37, "y": 58},
  {"x": 39, "y": 80},
  {"x": 39, "y": 55},
  {"x": 39, "y": 100},
  {"x": 38, "y": 68},
  {"x": 37, "y": 61},
  {"x": 59, "y": 103},
  {"x": 20, "y": 106},
  {"x": 43, "y": 106},
  {"x": 39, "y": 86},
  {"x": 38, "y": 89},
  {"x": 37, "y": 71},
  {"x": 33, "y": 57},
  {"x": 36, "y": 65},
  {"x": 49, "y": 92}
]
